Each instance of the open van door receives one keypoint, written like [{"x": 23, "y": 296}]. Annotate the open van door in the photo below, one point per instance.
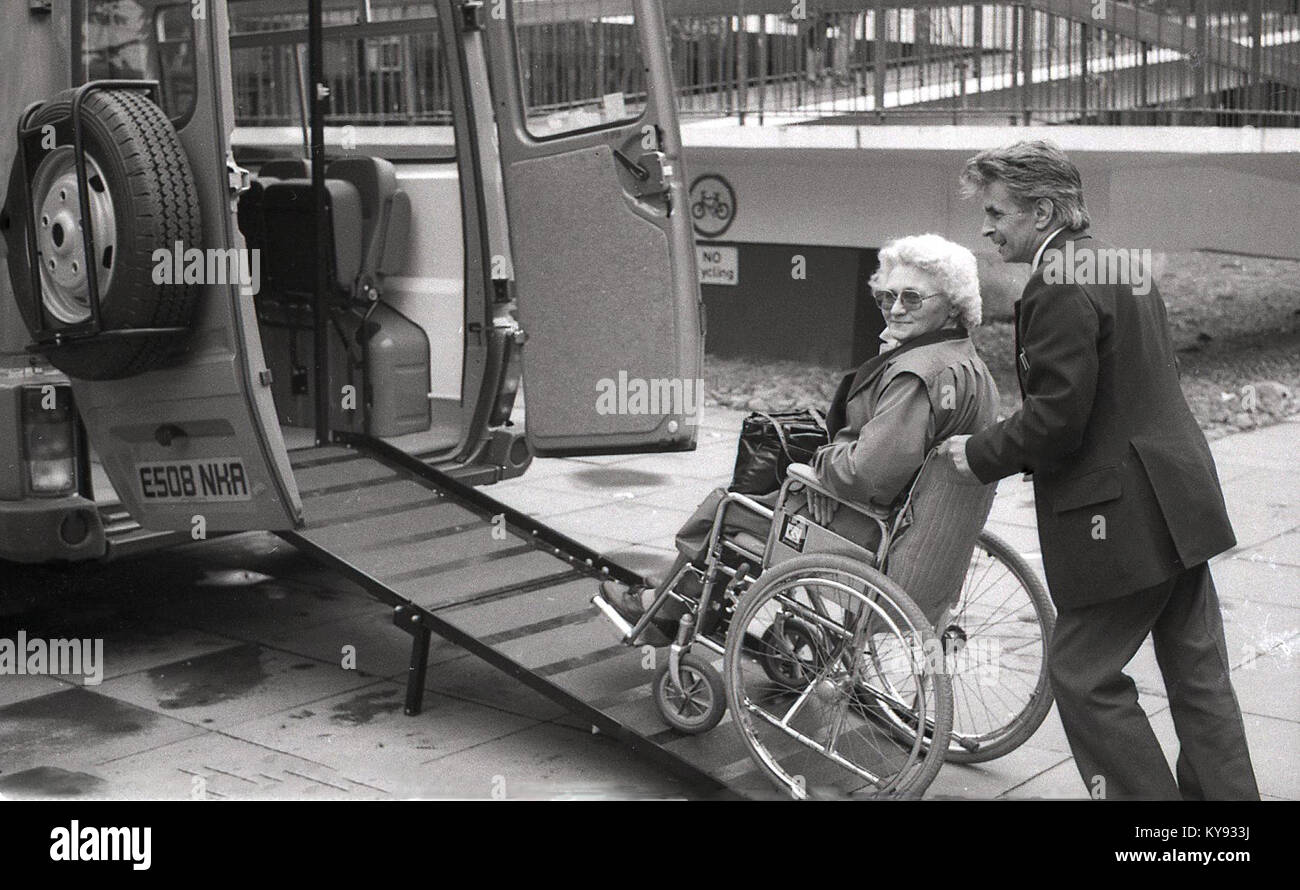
[
  {"x": 600, "y": 237},
  {"x": 192, "y": 441}
]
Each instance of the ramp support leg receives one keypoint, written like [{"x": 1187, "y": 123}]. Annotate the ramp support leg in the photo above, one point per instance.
[{"x": 409, "y": 620}]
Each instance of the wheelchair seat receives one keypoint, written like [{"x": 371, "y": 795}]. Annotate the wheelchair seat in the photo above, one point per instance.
[{"x": 748, "y": 541}]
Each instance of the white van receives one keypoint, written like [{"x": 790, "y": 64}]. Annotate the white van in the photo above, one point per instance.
[{"x": 256, "y": 291}]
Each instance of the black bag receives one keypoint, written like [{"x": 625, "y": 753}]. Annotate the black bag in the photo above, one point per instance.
[{"x": 770, "y": 442}]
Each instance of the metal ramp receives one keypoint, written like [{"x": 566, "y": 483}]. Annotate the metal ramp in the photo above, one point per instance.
[{"x": 450, "y": 560}]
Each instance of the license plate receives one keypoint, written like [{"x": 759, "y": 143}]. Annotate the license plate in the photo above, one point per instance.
[{"x": 203, "y": 480}]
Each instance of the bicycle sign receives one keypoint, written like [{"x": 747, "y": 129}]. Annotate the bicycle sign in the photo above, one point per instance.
[{"x": 713, "y": 205}]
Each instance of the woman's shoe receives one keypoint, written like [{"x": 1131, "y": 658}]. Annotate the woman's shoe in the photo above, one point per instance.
[{"x": 627, "y": 602}]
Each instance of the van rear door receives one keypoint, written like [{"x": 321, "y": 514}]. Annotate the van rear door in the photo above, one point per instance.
[
  {"x": 600, "y": 238},
  {"x": 196, "y": 444}
]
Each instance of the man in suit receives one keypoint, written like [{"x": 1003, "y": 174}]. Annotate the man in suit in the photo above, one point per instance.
[{"x": 1127, "y": 497}]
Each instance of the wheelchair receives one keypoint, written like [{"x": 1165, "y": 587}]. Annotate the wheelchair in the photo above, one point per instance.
[{"x": 840, "y": 683}]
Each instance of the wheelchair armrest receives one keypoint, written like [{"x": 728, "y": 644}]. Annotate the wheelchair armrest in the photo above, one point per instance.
[{"x": 807, "y": 476}]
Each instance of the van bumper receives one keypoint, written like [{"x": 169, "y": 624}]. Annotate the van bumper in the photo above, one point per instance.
[{"x": 46, "y": 529}]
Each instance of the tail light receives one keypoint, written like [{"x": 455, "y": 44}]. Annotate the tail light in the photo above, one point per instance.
[{"x": 49, "y": 440}]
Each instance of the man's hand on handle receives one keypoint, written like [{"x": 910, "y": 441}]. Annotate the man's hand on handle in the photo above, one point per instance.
[{"x": 955, "y": 450}]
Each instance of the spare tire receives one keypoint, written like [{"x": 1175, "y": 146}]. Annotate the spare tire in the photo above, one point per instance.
[{"x": 142, "y": 197}]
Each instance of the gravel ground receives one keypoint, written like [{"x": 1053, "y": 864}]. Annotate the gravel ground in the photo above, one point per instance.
[{"x": 1235, "y": 322}]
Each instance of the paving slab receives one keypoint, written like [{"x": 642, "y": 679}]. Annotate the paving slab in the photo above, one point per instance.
[
  {"x": 364, "y": 735},
  {"x": 549, "y": 761},
  {"x": 684, "y": 494},
  {"x": 75, "y": 728},
  {"x": 234, "y": 685},
  {"x": 984, "y": 781},
  {"x": 1265, "y": 687},
  {"x": 543, "y": 502},
  {"x": 624, "y": 521},
  {"x": 23, "y": 687},
  {"x": 1284, "y": 549},
  {"x": 216, "y": 766},
  {"x": 1023, "y": 538},
  {"x": 1242, "y": 578},
  {"x": 1274, "y": 752},
  {"x": 1260, "y": 506},
  {"x": 1272, "y": 448},
  {"x": 379, "y": 648},
  {"x": 1060, "y": 782}
]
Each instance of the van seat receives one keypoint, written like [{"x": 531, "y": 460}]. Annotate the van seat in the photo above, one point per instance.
[
  {"x": 385, "y": 213},
  {"x": 288, "y": 261},
  {"x": 285, "y": 168}
]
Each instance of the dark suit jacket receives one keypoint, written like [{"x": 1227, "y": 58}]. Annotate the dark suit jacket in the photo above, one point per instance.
[{"x": 1124, "y": 483}]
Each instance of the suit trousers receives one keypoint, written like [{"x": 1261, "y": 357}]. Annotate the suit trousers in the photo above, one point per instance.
[{"x": 1114, "y": 748}]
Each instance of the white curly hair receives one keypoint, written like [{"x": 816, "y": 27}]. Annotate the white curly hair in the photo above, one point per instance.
[{"x": 952, "y": 266}]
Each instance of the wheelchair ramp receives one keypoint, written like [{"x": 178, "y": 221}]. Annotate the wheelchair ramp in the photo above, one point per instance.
[{"x": 452, "y": 561}]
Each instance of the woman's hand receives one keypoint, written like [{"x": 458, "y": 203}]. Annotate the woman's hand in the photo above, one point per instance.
[{"x": 822, "y": 507}]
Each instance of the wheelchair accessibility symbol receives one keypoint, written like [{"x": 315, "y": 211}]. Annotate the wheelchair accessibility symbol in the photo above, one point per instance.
[
  {"x": 794, "y": 531},
  {"x": 713, "y": 205}
]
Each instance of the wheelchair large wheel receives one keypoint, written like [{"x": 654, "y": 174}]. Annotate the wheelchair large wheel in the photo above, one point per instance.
[
  {"x": 996, "y": 645},
  {"x": 995, "y": 653},
  {"x": 820, "y": 724}
]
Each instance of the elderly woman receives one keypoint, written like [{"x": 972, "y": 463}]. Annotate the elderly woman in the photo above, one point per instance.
[{"x": 927, "y": 384}]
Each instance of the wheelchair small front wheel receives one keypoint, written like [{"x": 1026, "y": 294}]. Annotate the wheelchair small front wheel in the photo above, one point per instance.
[{"x": 699, "y": 705}]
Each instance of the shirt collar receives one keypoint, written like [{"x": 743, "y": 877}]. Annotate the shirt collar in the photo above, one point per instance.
[{"x": 1043, "y": 247}]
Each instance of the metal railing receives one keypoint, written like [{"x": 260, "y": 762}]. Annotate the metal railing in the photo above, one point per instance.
[
  {"x": 846, "y": 61},
  {"x": 1049, "y": 61}
]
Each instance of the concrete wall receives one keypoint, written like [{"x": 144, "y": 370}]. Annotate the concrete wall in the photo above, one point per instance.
[
  {"x": 1174, "y": 188},
  {"x": 797, "y": 188}
]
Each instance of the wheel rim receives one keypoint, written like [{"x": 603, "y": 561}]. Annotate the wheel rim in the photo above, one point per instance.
[
  {"x": 65, "y": 289},
  {"x": 826, "y": 737}
]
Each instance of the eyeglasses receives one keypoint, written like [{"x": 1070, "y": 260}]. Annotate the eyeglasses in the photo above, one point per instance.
[{"x": 912, "y": 299}]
